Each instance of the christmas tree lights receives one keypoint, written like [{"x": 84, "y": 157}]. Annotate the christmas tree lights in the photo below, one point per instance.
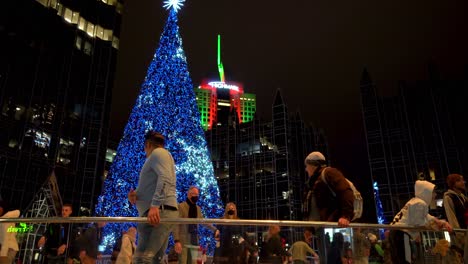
[
  {"x": 378, "y": 202},
  {"x": 166, "y": 104}
]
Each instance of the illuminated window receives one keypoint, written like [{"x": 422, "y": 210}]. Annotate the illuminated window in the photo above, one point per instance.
[
  {"x": 110, "y": 155},
  {"x": 65, "y": 151},
  {"x": 41, "y": 139},
  {"x": 60, "y": 9},
  {"x": 107, "y": 35},
  {"x": 67, "y": 15},
  {"x": 87, "y": 48},
  {"x": 99, "y": 32},
  {"x": 82, "y": 23},
  {"x": 90, "y": 29},
  {"x": 12, "y": 143},
  {"x": 115, "y": 42},
  {"x": 75, "y": 17},
  {"x": 119, "y": 8},
  {"x": 78, "y": 42},
  {"x": 53, "y": 4}
]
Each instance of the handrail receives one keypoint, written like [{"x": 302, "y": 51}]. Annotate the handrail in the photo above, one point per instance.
[{"x": 211, "y": 221}]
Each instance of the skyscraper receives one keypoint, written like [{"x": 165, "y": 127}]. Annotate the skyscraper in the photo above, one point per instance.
[
  {"x": 216, "y": 100},
  {"x": 414, "y": 134},
  {"x": 57, "y": 69},
  {"x": 260, "y": 165}
]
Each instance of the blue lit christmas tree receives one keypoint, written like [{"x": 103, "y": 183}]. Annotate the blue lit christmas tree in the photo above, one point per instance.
[{"x": 166, "y": 104}]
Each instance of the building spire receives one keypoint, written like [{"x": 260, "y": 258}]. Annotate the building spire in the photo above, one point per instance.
[{"x": 220, "y": 64}]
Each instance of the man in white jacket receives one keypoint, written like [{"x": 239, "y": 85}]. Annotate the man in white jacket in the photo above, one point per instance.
[
  {"x": 414, "y": 213},
  {"x": 9, "y": 245}
]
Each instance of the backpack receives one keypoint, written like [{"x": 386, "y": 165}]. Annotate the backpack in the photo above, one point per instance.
[{"x": 358, "y": 202}]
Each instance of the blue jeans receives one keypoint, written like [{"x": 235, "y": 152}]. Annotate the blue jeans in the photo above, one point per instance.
[{"x": 152, "y": 240}]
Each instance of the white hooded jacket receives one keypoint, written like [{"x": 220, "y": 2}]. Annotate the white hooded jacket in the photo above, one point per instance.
[
  {"x": 8, "y": 239},
  {"x": 416, "y": 211}
]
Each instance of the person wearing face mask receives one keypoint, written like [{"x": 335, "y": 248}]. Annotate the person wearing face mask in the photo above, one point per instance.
[
  {"x": 230, "y": 248},
  {"x": 187, "y": 235}
]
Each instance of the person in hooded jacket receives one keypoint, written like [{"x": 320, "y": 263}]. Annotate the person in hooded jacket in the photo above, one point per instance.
[{"x": 414, "y": 213}]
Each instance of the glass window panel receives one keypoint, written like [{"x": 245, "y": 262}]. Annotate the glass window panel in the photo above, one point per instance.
[
  {"x": 75, "y": 17},
  {"x": 119, "y": 8},
  {"x": 90, "y": 29},
  {"x": 78, "y": 42},
  {"x": 99, "y": 32},
  {"x": 87, "y": 48},
  {"x": 115, "y": 42},
  {"x": 82, "y": 23},
  {"x": 53, "y": 4},
  {"x": 59, "y": 9},
  {"x": 107, "y": 34},
  {"x": 67, "y": 15}
]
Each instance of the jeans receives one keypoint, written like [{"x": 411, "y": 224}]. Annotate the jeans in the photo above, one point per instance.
[{"x": 153, "y": 240}]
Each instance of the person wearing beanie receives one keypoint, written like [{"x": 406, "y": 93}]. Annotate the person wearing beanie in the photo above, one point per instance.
[
  {"x": 414, "y": 213},
  {"x": 320, "y": 204},
  {"x": 456, "y": 209}
]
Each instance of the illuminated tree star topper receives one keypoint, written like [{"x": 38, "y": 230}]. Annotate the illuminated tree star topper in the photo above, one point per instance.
[{"x": 176, "y": 4}]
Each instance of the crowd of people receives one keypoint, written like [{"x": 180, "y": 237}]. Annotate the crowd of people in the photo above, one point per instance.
[{"x": 328, "y": 197}]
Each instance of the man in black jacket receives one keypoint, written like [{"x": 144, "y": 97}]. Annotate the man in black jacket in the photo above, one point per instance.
[{"x": 55, "y": 239}]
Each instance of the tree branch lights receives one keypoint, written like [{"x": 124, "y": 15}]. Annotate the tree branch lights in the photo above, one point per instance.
[
  {"x": 378, "y": 202},
  {"x": 166, "y": 104},
  {"x": 174, "y": 4}
]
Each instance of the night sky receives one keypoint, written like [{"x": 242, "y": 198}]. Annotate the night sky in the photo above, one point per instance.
[{"x": 314, "y": 51}]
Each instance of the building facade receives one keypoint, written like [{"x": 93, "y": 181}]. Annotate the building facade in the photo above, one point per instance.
[
  {"x": 260, "y": 165},
  {"x": 417, "y": 133},
  {"x": 216, "y": 100},
  {"x": 57, "y": 64}
]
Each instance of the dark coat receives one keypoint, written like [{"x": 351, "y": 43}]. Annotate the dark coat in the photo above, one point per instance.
[{"x": 332, "y": 208}]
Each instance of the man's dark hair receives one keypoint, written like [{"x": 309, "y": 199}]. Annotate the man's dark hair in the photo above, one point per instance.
[
  {"x": 154, "y": 138},
  {"x": 67, "y": 205}
]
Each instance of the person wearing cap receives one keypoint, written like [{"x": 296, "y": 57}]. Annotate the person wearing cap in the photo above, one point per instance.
[
  {"x": 155, "y": 198},
  {"x": 456, "y": 210},
  {"x": 320, "y": 204}
]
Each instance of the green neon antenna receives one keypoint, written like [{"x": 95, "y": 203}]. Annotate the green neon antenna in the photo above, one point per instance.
[{"x": 220, "y": 64}]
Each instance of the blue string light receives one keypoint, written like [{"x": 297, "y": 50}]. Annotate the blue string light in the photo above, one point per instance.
[{"x": 166, "y": 104}]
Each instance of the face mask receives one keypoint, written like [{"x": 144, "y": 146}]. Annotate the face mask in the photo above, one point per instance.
[
  {"x": 194, "y": 199},
  {"x": 231, "y": 212}
]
